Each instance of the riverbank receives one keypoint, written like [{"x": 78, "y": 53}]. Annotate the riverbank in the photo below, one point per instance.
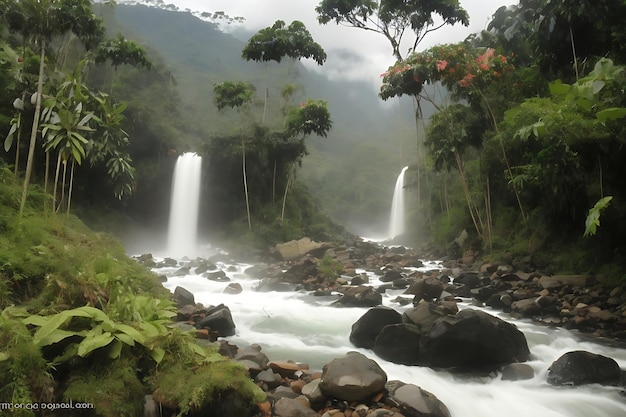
[{"x": 291, "y": 307}]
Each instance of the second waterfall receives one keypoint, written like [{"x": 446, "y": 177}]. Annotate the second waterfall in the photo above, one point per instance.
[
  {"x": 183, "y": 221},
  {"x": 397, "y": 217}
]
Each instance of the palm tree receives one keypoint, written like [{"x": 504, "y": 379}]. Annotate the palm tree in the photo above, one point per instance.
[{"x": 41, "y": 21}]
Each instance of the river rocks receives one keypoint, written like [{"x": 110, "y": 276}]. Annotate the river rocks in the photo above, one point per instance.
[
  {"x": 288, "y": 407},
  {"x": 353, "y": 377},
  {"x": 517, "y": 372},
  {"x": 219, "y": 320},
  {"x": 399, "y": 343},
  {"x": 359, "y": 296},
  {"x": 183, "y": 297},
  {"x": 412, "y": 401},
  {"x": 473, "y": 339},
  {"x": 366, "y": 328},
  {"x": 581, "y": 367},
  {"x": 296, "y": 248},
  {"x": 432, "y": 335}
]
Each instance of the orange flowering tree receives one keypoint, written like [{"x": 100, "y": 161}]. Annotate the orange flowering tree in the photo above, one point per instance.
[{"x": 462, "y": 69}]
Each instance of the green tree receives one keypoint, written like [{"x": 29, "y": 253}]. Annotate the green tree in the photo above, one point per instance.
[
  {"x": 395, "y": 20},
  {"x": 235, "y": 96},
  {"x": 276, "y": 42},
  {"x": 41, "y": 21}
]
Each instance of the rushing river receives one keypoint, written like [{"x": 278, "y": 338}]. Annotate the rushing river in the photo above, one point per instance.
[{"x": 305, "y": 328}]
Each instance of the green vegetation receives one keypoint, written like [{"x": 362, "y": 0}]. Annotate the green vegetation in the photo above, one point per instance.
[{"x": 83, "y": 322}]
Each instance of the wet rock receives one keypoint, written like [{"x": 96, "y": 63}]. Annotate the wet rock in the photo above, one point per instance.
[
  {"x": 391, "y": 275},
  {"x": 399, "y": 343},
  {"x": 361, "y": 296},
  {"x": 233, "y": 288},
  {"x": 181, "y": 272},
  {"x": 296, "y": 248},
  {"x": 218, "y": 275},
  {"x": 557, "y": 281},
  {"x": 269, "y": 378},
  {"x": 289, "y": 407},
  {"x": 413, "y": 401},
  {"x": 427, "y": 288},
  {"x": 517, "y": 372},
  {"x": 353, "y": 377},
  {"x": 580, "y": 367},
  {"x": 183, "y": 297},
  {"x": 527, "y": 307},
  {"x": 218, "y": 319},
  {"x": 274, "y": 286},
  {"x": 254, "y": 354},
  {"x": 367, "y": 327},
  {"x": 313, "y": 393},
  {"x": 423, "y": 315},
  {"x": 473, "y": 339}
]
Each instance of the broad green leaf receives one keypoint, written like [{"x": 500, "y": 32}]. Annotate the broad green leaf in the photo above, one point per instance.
[
  {"x": 592, "y": 222},
  {"x": 611, "y": 113},
  {"x": 199, "y": 350},
  {"x": 157, "y": 354},
  {"x": 124, "y": 338},
  {"x": 57, "y": 336},
  {"x": 116, "y": 349},
  {"x": 3, "y": 356},
  {"x": 131, "y": 331},
  {"x": 38, "y": 321},
  {"x": 51, "y": 325},
  {"x": 89, "y": 344},
  {"x": 8, "y": 142}
]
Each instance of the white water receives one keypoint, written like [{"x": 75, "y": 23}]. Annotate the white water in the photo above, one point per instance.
[
  {"x": 397, "y": 216},
  {"x": 183, "y": 221},
  {"x": 304, "y": 328}
]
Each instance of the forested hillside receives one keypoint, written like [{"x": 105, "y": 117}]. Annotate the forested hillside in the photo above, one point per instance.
[{"x": 368, "y": 139}]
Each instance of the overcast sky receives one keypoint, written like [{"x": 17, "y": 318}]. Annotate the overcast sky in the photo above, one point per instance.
[{"x": 352, "y": 53}]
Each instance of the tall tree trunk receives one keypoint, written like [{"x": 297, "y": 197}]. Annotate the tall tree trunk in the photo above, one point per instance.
[
  {"x": 287, "y": 186},
  {"x": 33, "y": 133},
  {"x": 56, "y": 184},
  {"x": 245, "y": 181},
  {"x": 69, "y": 192},
  {"x": 468, "y": 197}
]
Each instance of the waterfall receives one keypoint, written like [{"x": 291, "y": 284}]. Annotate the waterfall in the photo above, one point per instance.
[
  {"x": 183, "y": 221},
  {"x": 396, "y": 220}
]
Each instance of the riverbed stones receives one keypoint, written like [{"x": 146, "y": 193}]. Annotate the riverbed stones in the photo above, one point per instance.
[
  {"x": 359, "y": 296},
  {"x": 289, "y": 407},
  {"x": 368, "y": 326},
  {"x": 353, "y": 377},
  {"x": 581, "y": 367},
  {"x": 296, "y": 248}
]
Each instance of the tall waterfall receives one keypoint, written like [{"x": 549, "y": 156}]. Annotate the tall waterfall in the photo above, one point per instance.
[
  {"x": 183, "y": 222},
  {"x": 397, "y": 217}
]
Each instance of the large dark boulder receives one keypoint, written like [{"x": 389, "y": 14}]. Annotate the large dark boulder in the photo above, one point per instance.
[
  {"x": 367, "y": 327},
  {"x": 353, "y": 377},
  {"x": 473, "y": 340},
  {"x": 218, "y": 319},
  {"x": 183, "y": 297},
  {"x": 399, "y": 343},
  {"x": 580, "y": 367},
  {"x": 412, "y": 401}
]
